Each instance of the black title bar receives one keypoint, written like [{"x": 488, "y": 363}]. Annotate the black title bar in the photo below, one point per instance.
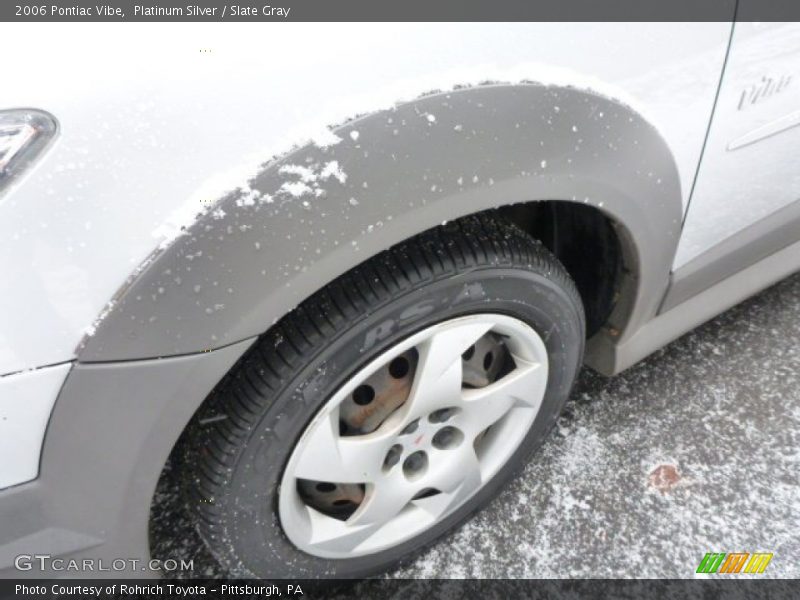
[{"x": 396, "y": 10}]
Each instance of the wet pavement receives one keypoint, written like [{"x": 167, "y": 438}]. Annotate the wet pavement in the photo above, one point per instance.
[{"x": 694, "y": 450}]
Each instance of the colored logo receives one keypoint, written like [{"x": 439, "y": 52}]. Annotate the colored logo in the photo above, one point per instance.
[{"x": 734, "y": 562}]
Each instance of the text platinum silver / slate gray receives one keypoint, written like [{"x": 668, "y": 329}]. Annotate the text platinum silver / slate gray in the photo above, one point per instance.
[{"x": 351, "y": 317}]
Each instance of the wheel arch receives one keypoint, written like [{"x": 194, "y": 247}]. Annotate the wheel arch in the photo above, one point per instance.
[{"x": 315, "y": 213}]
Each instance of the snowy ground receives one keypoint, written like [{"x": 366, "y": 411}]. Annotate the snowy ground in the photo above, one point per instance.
[{"x": 694, "y": 450}]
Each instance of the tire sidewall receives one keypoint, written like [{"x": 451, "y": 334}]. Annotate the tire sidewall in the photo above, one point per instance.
[{"x": 250, "y": 506}]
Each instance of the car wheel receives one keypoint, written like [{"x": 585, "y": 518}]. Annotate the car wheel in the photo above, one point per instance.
[{"x": 389, "y": 407}]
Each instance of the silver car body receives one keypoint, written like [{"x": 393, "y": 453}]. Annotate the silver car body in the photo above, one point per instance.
[{"x": 202, "y": 184}]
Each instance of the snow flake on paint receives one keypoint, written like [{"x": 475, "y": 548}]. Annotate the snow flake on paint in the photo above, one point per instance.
[{"x": 308, "y": 180}]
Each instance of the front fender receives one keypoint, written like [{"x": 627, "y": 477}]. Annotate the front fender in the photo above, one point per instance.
[{"x": 316, "y": 212}]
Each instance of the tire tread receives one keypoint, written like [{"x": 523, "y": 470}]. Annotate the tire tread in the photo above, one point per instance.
[{"x": 262, "y": 375}]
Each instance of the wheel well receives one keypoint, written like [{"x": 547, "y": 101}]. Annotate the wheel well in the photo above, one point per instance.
[
  {"x": 587, "y": 243},
  {"x": 592, "y": 248}
]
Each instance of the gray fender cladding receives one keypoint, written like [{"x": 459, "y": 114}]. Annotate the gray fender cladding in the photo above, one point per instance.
[
  {"x": 111, "y": 431},
  {"x": 316, "y": 212}
]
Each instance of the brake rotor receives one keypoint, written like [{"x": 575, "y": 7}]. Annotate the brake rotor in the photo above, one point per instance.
[
  {"x": 379, "y": 396},
  {"x": 483, "y": 361},
  {"x": 334, "y": 499}
]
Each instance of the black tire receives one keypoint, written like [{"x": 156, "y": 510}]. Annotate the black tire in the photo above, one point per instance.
[{"x": 476, "y": 264}]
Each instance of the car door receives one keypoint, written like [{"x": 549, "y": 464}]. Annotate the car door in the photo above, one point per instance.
[{"x": 745, "y": 196}]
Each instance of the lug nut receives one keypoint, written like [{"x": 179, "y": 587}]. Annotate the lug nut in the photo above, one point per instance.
[
  {"x": 392, "y": 457},
  {"x": 415, "y": 464},
  {"x": 410, "y": 428},
  {"x": 441, "y": 415},
  {"x": 447, "y": 437}
]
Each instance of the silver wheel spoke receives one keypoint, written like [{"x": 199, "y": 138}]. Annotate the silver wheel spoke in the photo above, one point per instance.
[
  {"x": 382, "y": 503},
  {"x": 328, "y": 533},
  {"x": 522, "y": 387},
  {"x": 439, "y": 372},
  {"x": 458, "y": 482},
  {"x": 329, "y": 457}
]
